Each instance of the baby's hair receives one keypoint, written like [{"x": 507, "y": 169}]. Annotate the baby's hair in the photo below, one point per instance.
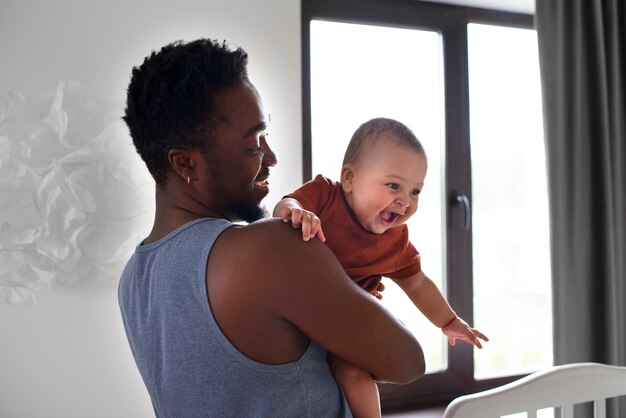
[{"x": 381, "y": 129}]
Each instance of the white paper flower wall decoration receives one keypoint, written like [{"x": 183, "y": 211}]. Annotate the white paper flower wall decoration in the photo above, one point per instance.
[{"x": 74, "y": 197}]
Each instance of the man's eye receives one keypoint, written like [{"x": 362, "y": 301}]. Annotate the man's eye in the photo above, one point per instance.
[
  {"x": 393, "y": 186},
  {"x": 415, "y": 192}
]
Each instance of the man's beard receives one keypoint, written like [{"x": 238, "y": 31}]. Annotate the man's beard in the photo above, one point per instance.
[{"x": 249, "y": 213}]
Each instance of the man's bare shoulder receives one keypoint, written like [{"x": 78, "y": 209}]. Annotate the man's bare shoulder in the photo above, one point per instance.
[
  {"x": 269, "y": 231},
  {"x": 273, "y": 241},
  {"x": 264, "y": 226}
]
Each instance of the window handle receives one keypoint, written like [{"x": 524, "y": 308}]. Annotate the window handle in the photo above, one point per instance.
[{"x": 461, "y": 200}]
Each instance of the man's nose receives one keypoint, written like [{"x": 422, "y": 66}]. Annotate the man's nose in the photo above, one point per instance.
[{"x": 269, "y": 158}]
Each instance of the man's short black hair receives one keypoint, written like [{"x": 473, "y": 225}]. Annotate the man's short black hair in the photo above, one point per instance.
[{"x": 170, "y": 98}]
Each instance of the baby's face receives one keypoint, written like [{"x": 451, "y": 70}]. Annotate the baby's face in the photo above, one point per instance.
[{"x": 384, "y": 186}]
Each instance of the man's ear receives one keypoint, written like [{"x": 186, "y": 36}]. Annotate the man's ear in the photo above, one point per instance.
[
  {"x": 347, "y": 177},
  {"x": 182, "y": 163}
]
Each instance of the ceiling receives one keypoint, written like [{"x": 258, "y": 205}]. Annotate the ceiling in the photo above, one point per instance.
[{"x": 520, "y": 6}]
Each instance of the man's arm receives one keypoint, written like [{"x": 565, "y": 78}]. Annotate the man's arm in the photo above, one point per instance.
[{"x": 274, "y": 291}]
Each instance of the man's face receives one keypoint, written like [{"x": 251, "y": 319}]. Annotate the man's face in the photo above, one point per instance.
[{"x": 239, "y": 158}]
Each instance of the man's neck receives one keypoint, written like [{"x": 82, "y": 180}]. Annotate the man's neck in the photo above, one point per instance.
[{"x": 172, "y": 211}]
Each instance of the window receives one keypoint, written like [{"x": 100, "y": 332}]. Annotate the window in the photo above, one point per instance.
[
  {"x": 510, "y": 242},
  {"x": 466, "y": 82},
  {"x": 407, "y": 87}
]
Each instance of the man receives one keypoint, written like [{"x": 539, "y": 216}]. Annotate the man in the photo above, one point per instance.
[{"x": 224, "y": 319}]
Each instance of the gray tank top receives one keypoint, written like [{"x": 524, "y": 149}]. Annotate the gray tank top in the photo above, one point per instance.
[{"x": 188, "y": 365}]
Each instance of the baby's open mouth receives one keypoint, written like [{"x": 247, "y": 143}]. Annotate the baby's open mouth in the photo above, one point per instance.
[{"x": 389, "y": 217}]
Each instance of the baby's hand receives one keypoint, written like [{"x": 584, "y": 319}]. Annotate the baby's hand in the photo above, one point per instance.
[
  {"x": 378, "y": 291},
  {"x": 311, "y": 224},
  {"x": 459, "y": 329}
]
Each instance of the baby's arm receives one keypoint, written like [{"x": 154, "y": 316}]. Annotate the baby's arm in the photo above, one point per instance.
[
  {"x": 428, "y": 299},
  {"x": 289, "y": 208}
]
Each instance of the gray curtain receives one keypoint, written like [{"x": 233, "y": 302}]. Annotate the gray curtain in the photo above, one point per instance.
[{"x": 582, "y": 47}]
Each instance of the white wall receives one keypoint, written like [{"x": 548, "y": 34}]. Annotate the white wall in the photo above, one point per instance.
[{"x": 68, "y": 355}]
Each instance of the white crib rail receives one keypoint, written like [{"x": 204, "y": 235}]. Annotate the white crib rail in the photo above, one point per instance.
[{"x": 559, "y": 386}]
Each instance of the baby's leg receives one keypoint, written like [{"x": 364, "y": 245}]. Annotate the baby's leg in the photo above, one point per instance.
[{"x": 358, "y": 386}]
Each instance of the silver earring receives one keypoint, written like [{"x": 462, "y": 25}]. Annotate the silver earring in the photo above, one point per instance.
[{"x": 188, "y": 180}]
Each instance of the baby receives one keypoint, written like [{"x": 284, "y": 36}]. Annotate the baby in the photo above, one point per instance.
[{"x": 364, "y": 218}]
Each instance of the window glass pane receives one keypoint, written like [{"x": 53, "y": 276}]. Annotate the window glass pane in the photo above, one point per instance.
[
  {"x": 511, "y": 253},
  {"x": 542, "y": 413},
  {"x": 359, "y": 72}
]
